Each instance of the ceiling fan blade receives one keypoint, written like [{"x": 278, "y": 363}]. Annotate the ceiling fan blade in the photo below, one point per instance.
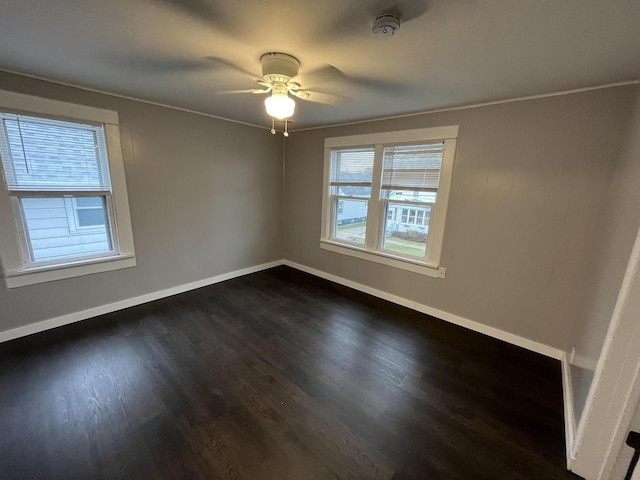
[
  {"x": 406, "y": 9},
  {"x": 156, "y": 64},
  {"x": 217, "y": 62},
  {"x": 345, "y": 23},
  {"x": 377, "y": 84},
  {"x": 324, "y": 74},
  {"x": 321, "y": 97},
  {"x": 208, "y": 11},
  {"x": 250, "y": 90}
]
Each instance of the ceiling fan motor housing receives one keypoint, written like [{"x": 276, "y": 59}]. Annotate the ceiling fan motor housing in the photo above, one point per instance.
[{"x": 279, "y": 67}]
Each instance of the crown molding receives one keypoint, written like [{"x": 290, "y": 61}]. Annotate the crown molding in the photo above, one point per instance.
[{"x": 473, "y": 105}]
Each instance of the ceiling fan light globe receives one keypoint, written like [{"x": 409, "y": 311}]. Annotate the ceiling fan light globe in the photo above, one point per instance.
[{"x": 280, "y": 106}]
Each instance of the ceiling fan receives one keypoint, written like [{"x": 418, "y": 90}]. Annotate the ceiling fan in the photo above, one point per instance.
[
  {"x": 279, "y": 75},
  {"x": 281, "y": 79}
]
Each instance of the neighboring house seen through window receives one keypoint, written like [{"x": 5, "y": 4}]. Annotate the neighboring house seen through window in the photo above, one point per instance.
[{"x": 386, "y": 195}]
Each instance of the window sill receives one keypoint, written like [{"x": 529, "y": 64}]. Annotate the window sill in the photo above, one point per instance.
[
  {"x": 49, "y": 273},
  {"x": 385, "y": 259}
]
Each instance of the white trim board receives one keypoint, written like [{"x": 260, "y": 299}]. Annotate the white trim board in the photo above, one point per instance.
[
  {"x": 127, "y": 97},
  {"x": 429, "y": 134},
  {"x": 129, "y": 302},
  {"x": 472, "y": 105},
  {"x": 329, "y": 125},
  {"x": 434, "y": 312},
  {"x": 569, "y": 409},
  {"x": 615, "y": 389},
  {"x": 35, "y": 104},
  {"x": 375, "y": 256}
]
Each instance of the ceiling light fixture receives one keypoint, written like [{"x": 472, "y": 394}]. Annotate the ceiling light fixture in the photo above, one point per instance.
[
  {"x": 280, "y": 81},
  {"x": 279, "y": 105}
]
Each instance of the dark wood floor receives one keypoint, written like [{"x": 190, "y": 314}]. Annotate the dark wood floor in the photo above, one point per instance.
[{"x": 276, "y": 375}]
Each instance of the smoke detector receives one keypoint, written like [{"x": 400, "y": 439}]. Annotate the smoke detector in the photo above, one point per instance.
[{"x": 386, "y": 25}]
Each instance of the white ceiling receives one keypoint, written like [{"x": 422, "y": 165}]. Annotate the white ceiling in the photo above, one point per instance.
[{"x": 457, "y": 52}]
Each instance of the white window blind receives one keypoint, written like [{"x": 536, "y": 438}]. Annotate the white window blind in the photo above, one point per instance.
[
  {"x": 412, "y": 167},
  {"x": 40, "y": 154},
  {"x": 352, "y": 167}
]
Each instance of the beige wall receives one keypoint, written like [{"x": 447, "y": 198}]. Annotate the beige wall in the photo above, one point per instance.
[
  {"x": 529, "y": 183},
  {"x": 621, "y": 220},
  {"x": 205, "y": 198}
]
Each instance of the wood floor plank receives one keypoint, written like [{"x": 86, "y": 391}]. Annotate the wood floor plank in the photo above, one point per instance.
[{"x": 276, "y": 375}]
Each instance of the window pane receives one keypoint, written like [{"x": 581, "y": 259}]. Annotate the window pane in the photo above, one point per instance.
[
  {"x": 89, "y": 201},
  {"x": 45, "y": 154},
  {"x": 407, "y": 234},
  {"x": 90, "y": 217},
  {"x": 351, "y": 218},
  {"x": 54, "y": 233},
  {"x": 352, "y": 166}
]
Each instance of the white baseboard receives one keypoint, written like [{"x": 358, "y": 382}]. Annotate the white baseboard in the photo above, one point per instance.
[
  {"x": 129, "y": 302},
  {"x": 434, "y": 312},
  {"x": 569, "y": 412}
]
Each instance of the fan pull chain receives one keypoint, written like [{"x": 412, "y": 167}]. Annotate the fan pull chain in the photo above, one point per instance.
[{"x": 286, "y": 126}]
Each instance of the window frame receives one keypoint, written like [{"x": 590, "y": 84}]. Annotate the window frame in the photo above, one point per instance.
[
  {"x": 15, "y": 254},
  {"x": 377, "y": 205}
]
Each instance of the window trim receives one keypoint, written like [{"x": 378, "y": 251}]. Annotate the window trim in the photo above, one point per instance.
[
  {"x": 403, "y": 263},
  {"x": 371, "y": 251},
  {"x": 17, "y": 268}
]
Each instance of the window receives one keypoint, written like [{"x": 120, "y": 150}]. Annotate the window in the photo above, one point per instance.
[
  {"x": 385, "y": 196},
  {"x": 61, "y": 191},
  {"x": 89, "y": 212},
  {"x": 350, "y": 189}
]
